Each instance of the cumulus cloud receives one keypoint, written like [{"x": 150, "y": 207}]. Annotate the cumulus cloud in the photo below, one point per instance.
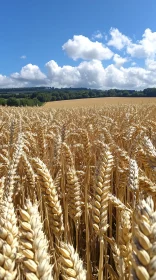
[
  {"x": 145, "y": 47},
  {"x": 81, "y": 47},
  {"x": 130, "y": 78},
  {"x": 93, "y": 74},
  {"x": 118, "y": 40},
  {"x": 5, "y": 81},
  {"x": 81, "y": 76},
  {"x": 8, "y": 82},
  {"x": 150, "y": 64},
  {"x": 30, "y": 73},
  {"x": 119, "y": 60},
  {"x": 23, "y": 57},
  {"x": 65, "y": 76}
]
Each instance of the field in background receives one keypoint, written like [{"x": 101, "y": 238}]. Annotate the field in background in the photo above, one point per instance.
[
  {"x": 99, "y": 102},
  {"x": 78, "y": 192}
]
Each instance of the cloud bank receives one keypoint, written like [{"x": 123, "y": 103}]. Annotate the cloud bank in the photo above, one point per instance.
[{"x": 102, "y": 65}]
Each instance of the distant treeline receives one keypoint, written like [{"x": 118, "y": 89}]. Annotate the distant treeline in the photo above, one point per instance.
[{"x": 36, "y": 96}]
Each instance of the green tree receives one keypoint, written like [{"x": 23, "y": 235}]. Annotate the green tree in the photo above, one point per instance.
[
  {"x": 36, "y": 102},
  {"x": 12, "y": 101},
  {"x": 3, "y": 101}
]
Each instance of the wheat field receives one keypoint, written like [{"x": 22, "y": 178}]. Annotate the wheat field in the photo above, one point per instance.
[
  {"x": 101, "y": 101},
  {"x": 78, "y": 193}
]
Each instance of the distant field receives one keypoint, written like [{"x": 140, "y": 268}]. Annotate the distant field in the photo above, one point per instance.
[{"x": 99, "y": 102}]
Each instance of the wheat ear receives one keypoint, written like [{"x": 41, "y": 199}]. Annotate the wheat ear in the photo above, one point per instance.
[
  {"x": 73, "y": 195},
  {"x": 73, "y": 190},
  {"x": 9, "y": 188},
  {"x": 33, "y": 244},
  {"x": 71, "y": 265},
  {"x": 118, "y": 260},
  {"x": 101, "y": 192},
  {"x": 8, "y": 240},
  {"x": 125, "y": 237},
  {"x": 144, "y": 241},
  {"x": 30, "y": 175},
  {"x": 101, "y": 200},
  {"x": 50, "y": 196}
]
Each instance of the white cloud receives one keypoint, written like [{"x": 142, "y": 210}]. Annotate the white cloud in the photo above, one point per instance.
[
  {"x": 81, "y": 76},
  {"x": 5, "y": 81},
  {"x": 23, "y": 57},
  {"x": 145, "y": 47},
  {"x": 81, "y": 47},
  {"x": 62, "y": 76},
  {"x": 119, "y": 60},
  {"x": 130, "y": 78},
  {"x": 118, "y": 40},
  {"x": 8, "y": 82},
  {"x": 30, "y": 73},
  {"x": 93, "y": 74},
  {"x": 150, "y": 64},
  {"x": 133, "y": 63},
  {"x": 97, "y": 35},
  {"x": 136, "y": 50}
]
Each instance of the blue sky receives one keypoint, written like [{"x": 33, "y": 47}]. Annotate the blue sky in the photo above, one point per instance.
[{"x": 92, "y": 43}]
